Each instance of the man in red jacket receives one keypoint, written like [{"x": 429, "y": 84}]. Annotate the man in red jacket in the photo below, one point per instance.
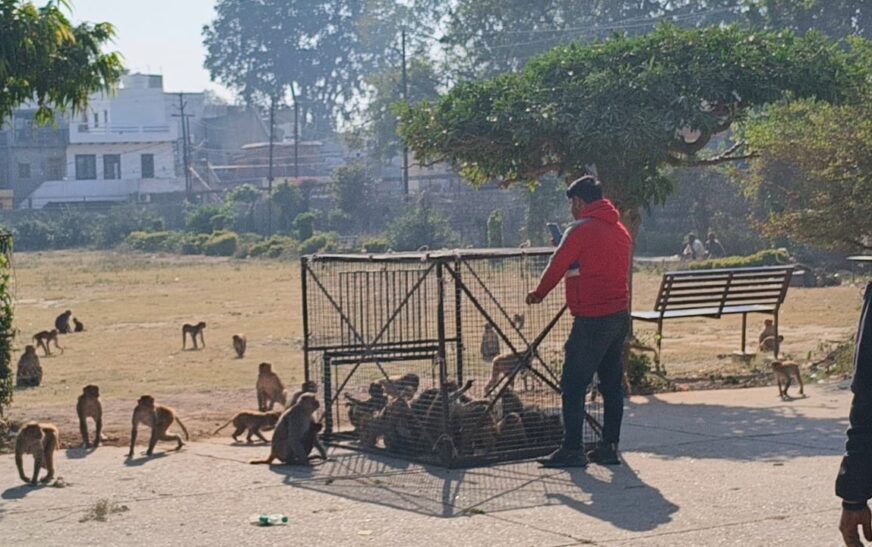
[{"x": 594, "y": 259}]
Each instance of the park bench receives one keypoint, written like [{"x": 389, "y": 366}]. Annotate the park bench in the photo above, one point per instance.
[{"x": 715, "y": 293}]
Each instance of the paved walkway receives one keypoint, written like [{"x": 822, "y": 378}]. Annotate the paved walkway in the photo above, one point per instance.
[{"x": 736, "y": 467}]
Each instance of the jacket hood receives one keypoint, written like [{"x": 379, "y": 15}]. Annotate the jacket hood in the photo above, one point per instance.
[{"x": 601, "y": 210}]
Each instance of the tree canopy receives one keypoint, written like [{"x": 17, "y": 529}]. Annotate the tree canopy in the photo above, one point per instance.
[
  {"x": 46, "y": 59},
  {"x": 628, "y": 106}
]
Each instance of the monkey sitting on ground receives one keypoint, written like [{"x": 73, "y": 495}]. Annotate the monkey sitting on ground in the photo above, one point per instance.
[
  {"x": 29, "y": 370},
  {"x": 270, "y": 389},
  {"x": 253, "y": 422},
  {"x": 44, "y": 339},
  {"x": 89, "y": 406},
  {"x": 239, "y": 344},
  {"x": 473, "y": 427},
  {"x": 292, "y": 432},
  {"x": 768, "y": 330},
  {"x": 359, "y": 410},
  {"x": 397, "y": 425},
  {"x": 768, "y": 344},
  {"x": 40, "y": 441},
  {"x": 159, "y": 418},
  {"x": 78, "y": 326},
  {"x": 306, "y": 387},
  {"x": 783, "y": 371},
  {"x": 490, "y": 343},
  {"x": 62, "y": 322},
  {"x": 404, "y": 386},
  {"x": 193, "y": 331}
]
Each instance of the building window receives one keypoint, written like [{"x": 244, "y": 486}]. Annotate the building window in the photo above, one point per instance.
[
  {"x": 24, "y": 171},
  {"x": 147, "y": 166},
  {"x": 96, "y": 119},
  {"x": 86, "y": 167},
  {"x": 111, "y": 166},
  {"x": 54, "y": 169},
  {"x": 106, "y": 117}
]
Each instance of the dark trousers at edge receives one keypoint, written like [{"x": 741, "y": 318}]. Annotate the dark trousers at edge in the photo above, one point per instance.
[{"x": 595, "y": 345}]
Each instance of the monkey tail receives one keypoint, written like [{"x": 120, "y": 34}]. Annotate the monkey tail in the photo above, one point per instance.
[
  {"x": 259, "y": 462},
  {"x": 185, "y": 429},
  {"x": 222, "y": 427}
]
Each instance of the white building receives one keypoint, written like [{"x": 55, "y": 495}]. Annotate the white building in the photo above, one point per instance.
[{"x": 123, "y": 144}]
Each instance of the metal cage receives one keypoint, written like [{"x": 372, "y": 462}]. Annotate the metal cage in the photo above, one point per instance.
[{"x": 394, "y": 340}]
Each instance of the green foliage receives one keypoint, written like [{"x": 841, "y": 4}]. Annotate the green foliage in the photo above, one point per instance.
[
  {"x": 320, "y": 242},
  {"x": 340, "y": 221},
  {"x": 638, "y": 367},
  {"x": 351, "y": 187},
  {"x": 245, "y": 193},
  {"x": 290, "y": 202},
  {"x": 375, "y": 245},
  {"x": 420, "y": 225},
  {"x": 155, "y": 242},
  {"x": 7, "y": 330},
  {"x": 495, "y": 229},
  {"x": 205, "y": 219},
  {"x": 275, "y": 247},
  {"x": 192, "y": 244},
  {"x": 769, "y": 257},
  {"x": 33, "y": 234},
  {"x": 812, "y": 178},
  {"x": 580, "y": 104},
  {"x": 546, "y": 202},
  {"x": 111, "y": 229},
  {"x": 304, "y": 225},
  {"x": 221, "y": 244},
  {"x": 46, "y": 59}
]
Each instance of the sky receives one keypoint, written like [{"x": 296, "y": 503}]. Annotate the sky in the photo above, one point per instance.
[{"x": 158, "y": 37}]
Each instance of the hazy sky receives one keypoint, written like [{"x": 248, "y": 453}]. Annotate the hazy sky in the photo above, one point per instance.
[{"x": 158, "y": 36}]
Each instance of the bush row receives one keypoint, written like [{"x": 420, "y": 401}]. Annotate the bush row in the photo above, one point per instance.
[
  {"x": 769, "y": 257},
  {"x": 227, "y": 243}
]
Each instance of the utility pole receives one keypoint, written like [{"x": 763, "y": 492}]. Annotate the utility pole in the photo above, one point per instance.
[
  {"x": 406, "y": 99},
  {"x": 272, "y": 127},
  {"x": 189, "y": 189},
  {"x": 296, "y": 135}
]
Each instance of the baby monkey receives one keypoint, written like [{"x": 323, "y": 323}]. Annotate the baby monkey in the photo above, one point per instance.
[
  {"x": 784, "y": 370},
  {"x": 254, "y": 422}
]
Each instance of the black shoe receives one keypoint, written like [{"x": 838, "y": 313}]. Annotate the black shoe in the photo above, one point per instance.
[
  {"x": 565, "y": 457},
  {"x": 605, "y": 454}
]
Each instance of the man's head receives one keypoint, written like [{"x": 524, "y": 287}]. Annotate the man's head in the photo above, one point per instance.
[
  {"x": 582, "y": 192},
  {"x": 712, "y": 236}
]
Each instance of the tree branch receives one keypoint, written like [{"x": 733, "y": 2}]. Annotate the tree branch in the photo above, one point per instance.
[{"x": 725, "y": 157}]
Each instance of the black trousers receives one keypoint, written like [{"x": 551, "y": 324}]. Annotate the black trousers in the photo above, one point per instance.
[{"x": 595, "y": 345}]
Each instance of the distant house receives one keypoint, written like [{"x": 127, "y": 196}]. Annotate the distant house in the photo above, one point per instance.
[
  {"x": 30, "y": 154},
  {"x": 121, "y": 147}
]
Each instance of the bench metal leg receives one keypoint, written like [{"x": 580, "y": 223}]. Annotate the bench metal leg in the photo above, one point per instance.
[
  {"x": 744, "y": 332},
  {"x": 658, "y": 362}
]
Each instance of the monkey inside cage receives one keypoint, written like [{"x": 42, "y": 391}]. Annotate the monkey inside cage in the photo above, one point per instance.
[{"x": 435, "y": 357}]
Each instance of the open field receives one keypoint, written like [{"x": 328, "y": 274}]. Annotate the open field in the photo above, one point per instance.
[{"x": 133, "y": 307}]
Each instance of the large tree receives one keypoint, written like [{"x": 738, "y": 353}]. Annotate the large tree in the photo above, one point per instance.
[
  {"x": 628, "y": 106},
  {"x": 46, "y": 59},
  {"x": 812, "y": 177}
]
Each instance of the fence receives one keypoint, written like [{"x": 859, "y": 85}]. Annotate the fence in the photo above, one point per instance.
[{"x": 435, "y": 357}]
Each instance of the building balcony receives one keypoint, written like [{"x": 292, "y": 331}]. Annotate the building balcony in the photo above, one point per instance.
[{"x": 82, "y": 133}]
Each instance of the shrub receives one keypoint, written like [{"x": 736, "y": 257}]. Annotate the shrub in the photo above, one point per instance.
[
  {"x": 221, "y": 244},
  {"x": 112, "y": 228},
  {"x": 638, "y": 367},
  {"x": 206, "y": 219},
  {"x": 769, "y": 257},
  {"x": 192, "y": 244},
  {"x": 420, "y": 225},
  {"x": 320, "y": 242},
  {"x": 304, "y": 225},
  {"x": 153, "y": 242},
  {"x": 32, "y": 234},
  {"x": 72, "y": 228},
  {"x": 375, "y": 245},
  {"x": 275, "y": 247}
]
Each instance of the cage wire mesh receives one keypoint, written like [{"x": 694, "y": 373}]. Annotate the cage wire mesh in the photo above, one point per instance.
[{"x": 435, "y": 357}]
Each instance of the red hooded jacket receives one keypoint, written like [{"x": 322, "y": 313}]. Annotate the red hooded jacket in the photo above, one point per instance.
[{"x": 602, "y": 248}]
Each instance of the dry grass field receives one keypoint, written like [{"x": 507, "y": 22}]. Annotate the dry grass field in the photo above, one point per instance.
[{"x": 133, "y": 307}]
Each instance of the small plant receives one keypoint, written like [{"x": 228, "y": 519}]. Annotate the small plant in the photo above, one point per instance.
[
  {"x": 102, "y": 509},
  {"x": 638, "y": 367},
  {"x": 320, "y": 242}
]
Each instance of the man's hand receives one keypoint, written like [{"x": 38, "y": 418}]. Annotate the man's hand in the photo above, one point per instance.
[
  {"x": 851, "y": 520},
  {"x": 532, "y": 298}
]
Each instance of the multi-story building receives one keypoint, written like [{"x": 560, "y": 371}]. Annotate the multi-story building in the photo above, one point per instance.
[
  {"x": 30, "y": 154},
  {"x": 121, "y": 146}
]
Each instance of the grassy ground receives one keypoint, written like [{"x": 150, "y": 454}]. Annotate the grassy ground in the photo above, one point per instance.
[{"x": 133, "y": 307}]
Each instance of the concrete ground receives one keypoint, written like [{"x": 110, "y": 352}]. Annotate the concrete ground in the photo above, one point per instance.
[{"x": 736, "y": 467}]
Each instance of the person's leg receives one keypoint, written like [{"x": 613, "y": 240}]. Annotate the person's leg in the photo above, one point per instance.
[
  {"x": 583, "y": 350},
  {"x": 610, "y": 374}
]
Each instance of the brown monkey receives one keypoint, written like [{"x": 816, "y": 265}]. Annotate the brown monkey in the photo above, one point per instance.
[
  {"x": 783, "y": 371},
  {"x": 62, "y": 322},
  {"x": 490, "y": 343},
  {"x": 360, "y": 410},
  {"x": 78, "y": 326},
  {"x": 89, "y": 406},
  {"x": 270, "y": 389},
  {"x": 398, "y": 427},
  {"x": 768, "y": 344},
  {"x": 40, "y": 441},
  {"x": 306, "y": 387},
  {"x": 402, "y": 386},
  {"x": 503, "y": 365},
  {"x": 292, "y": 432},
  {"x": 511, "y": 403},
  {"x": 29, "y": 370},
  {"x": 511, "y": 433},
  {"x": 239, "y": 344},
  {"x": 533, "y": 420},
  {"x": 252, "y": 421},
  {"x": 433, "y": 421},
  {"x": 768, "y": 330},
  {"x": 159, "y": 418},
  {"x": 44, "y": 338},
  {"x": 193, "y": 331},
  {"x": 473, "y": 427}
]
